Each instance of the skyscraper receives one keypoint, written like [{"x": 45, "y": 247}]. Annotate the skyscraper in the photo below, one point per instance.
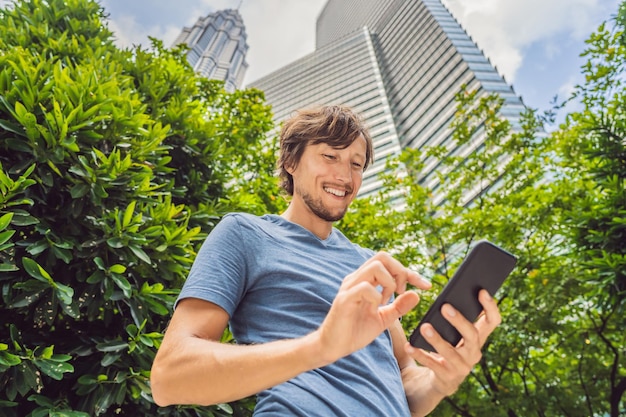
[
  {"x": 399, "y": 63},
  {"x": 218, "y": 47}
]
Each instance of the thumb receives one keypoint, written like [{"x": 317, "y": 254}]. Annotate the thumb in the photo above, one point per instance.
[{"x": 401, "y": 305}]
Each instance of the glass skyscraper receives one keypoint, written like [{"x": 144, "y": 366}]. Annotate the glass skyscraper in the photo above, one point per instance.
[
  {"x": 399, "y": 63},
  {"x": 218, "y": 47}
]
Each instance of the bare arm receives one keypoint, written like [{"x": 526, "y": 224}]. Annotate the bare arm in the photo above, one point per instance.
[
  {"x": 417, "y": 380},
  {"x": 441, "y": 373},
  {"x": 193, "y": 367}
]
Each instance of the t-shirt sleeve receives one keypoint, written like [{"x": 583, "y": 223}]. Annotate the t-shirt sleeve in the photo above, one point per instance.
[{"x": 218, "y": 274}]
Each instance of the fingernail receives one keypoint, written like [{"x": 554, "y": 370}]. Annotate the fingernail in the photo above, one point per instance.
[
  {"x": 429, "y": 333},
  {"x": 427, "y": 284},
  {"x": 449, "y": 310}
]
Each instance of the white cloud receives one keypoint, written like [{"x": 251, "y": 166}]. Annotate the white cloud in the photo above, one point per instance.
[
  {"x": 533, "y": 43},
  {"x": 506, "y": 29},
  {"x": 568, "y": 87},
  {"x": 126, "y": 31},
  {"x": 279, "y": 32}
]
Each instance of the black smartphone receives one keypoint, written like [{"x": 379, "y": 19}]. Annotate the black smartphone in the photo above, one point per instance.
[{"x": 485, "y": 267}]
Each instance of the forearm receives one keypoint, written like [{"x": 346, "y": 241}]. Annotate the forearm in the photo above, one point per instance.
[
  {"x": 420, "y": 392},
  {"x": 203, "y": 372}
]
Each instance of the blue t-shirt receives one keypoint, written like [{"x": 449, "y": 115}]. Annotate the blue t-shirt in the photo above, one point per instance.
[{"x": 277, "y": 280}]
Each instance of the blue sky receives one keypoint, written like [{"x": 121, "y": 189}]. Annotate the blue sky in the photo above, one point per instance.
[{"x": 535, "y": 44}]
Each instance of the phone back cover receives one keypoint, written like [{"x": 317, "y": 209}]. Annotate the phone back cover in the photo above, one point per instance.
[{"x": 487, "y": 266}]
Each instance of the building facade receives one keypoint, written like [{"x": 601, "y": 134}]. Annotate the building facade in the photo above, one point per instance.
[
  {"x": 217, "y": 47},
  {"x": 400, "y": 63}
]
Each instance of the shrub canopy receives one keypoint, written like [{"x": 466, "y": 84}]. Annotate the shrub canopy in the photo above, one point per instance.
[{"x": 115, "y": 163}]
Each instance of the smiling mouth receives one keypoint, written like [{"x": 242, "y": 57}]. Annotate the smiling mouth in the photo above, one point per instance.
[{"x": 335, "y": 191}]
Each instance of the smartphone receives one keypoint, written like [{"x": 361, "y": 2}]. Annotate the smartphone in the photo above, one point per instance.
[{"x": 485, "y": 267}]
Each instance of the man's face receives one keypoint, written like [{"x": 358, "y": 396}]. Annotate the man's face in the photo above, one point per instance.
[{"x": 327, "y": 179}]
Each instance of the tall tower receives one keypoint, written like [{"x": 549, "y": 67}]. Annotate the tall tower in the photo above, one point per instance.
[
  {"x": 218, "y": 47},
  {"x": 400, "y": 64}
]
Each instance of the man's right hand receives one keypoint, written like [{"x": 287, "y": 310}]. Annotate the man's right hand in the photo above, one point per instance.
[{"x": 361, "y": 310}]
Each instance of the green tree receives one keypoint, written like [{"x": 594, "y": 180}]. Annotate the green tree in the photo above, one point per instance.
[
  {"x": 115, "y": 165},
  {"x": 594, "y": 152},
  {"x": 557, "y": 201}
]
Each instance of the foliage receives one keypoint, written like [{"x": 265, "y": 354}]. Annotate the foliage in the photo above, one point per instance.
[
  {"x": 597, "y": 134},
  {"x": 558, "y": 202},
  {"x": 114, "y": 165},
  {"x": 598, "y": 223}
]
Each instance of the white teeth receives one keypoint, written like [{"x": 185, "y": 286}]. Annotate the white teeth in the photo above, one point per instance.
[{"x": 334, "y": 191}]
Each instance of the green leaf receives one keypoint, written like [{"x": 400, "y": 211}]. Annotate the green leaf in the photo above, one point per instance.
[
  {"x": 140, "y": 253},
  {"x": 38, "y": 247},
  {"x": 71, "y": 310},
  {"x": 109, "y": 359},
  {"x": 96, "y": 277},
  {"x": 5, "y": 220},
  {"x": 5, "y": 236},
  {"x": 22, "y": 218},
  {"x": 42, "y": 401},
  {"x": 99, "y": 191},
  {"x": 157, "y": 307},
  {"x": 146, "y": 340},
  {"x": 123, "y": 283},
  {"x": 64, "y": 293},
  {"x": 128, "y": 214},
  {"x": 28, "y": 298},
  {"x": 225, "y": 407},
  {"x": 26, "y": 379},
  {"x": 36, "y": 271},
  {"x": 118, "y": 269},
  {"x": 8, "y": 359},
  {"x": 14, "y": 128},
  {"x": 8, "y": 404},
  {"x": 47, "y": 352},
  {"x": 99, "y": 263},
  {"x": 79, "y": 190},
  {"x": 115, "y": 242},
  {"x": 62, "y": 254},
  {"x": 103, "y": 401},
  {"x": 112, "y": 346},
  {"x": 87, "y": 380},
  {"x": 7, "y": 267},
  {"x": 53, "y": 369}
]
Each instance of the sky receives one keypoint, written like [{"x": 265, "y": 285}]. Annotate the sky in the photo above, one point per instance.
[{"x": 534, "y": 44}]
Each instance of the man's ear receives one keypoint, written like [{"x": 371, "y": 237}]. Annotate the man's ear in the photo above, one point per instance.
[{"x": 290, "y": 169}]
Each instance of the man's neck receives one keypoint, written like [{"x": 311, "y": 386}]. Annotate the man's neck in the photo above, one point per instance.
[{"x": 319, "y": 227}]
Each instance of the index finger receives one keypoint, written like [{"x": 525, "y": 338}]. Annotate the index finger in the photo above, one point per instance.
[{"x": 401, "y": 274}]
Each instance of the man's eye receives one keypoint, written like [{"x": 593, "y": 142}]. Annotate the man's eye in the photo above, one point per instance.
[
  {"x": 327, "y": 156},
  {"x": 357, "y": 165}
]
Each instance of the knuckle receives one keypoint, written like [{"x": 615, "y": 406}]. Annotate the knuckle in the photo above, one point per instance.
[
  {"x": 378, "y": 264},
  {"x": 348, "y": 279}
]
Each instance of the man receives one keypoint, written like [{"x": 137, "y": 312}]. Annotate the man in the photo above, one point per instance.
[{"x": 314, "y": 316}]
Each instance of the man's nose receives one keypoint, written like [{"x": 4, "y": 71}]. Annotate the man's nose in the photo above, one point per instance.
[{"x": 343, "y": 172}]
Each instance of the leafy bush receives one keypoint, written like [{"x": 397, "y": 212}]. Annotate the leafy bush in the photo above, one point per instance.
[{"x": 115, "y": 164}]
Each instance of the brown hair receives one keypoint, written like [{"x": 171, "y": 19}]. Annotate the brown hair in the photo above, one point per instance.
[{"x": 337, "y": 126}]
